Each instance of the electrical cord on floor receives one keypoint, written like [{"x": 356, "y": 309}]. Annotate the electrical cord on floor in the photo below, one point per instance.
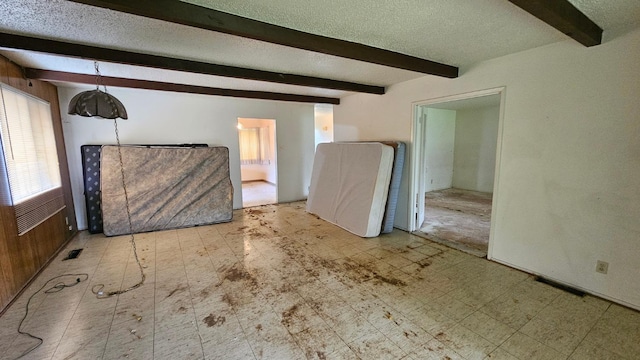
[{"x": 54, "y": 289}]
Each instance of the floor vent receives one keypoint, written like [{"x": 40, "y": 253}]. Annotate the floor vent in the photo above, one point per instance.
[
  {"x": 566, "y": 288},
  {"x": 73, "y": 254}
]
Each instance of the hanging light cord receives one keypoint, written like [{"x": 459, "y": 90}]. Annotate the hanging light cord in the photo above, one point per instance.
[
  {"x": 96, "y": 66},
  {"x": 98, "y": 76},
  {"x": 98, "y": 289}
]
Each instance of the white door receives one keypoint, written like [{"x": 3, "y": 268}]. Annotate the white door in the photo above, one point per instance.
[{"x": 418, "y": 169}]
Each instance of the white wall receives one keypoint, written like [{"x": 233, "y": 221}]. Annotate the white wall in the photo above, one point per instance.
[
  {"x": 257, "y": 172},
  {"x": 567, "y": 188},
  {"x": 165, "y": 117},
  {"x": 267, "y": 171},
  {"x": 439, "y": 149},
  {"x": 476, "y": 137}
]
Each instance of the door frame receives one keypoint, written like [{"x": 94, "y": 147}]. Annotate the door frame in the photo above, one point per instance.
[
  {"x": 418, "y": 137},
  {"x": 273, "y": 138}
]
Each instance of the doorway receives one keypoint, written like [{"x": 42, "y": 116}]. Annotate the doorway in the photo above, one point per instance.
[
  {"x": 258, "y": 165},
  {"x": 323, "y": 123},
  {"x": 455, "y": 166}
]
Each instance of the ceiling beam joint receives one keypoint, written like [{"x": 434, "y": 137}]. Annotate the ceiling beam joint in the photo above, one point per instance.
[{"x": 565, "y": 17}]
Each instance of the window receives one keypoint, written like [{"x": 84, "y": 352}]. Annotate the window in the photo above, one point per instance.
[
  {"x": 31, "y": 158},
  {"x": 254, "y": 146}
]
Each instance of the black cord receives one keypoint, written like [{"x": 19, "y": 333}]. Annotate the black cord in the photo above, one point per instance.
[{"x": 54, "y": 289}]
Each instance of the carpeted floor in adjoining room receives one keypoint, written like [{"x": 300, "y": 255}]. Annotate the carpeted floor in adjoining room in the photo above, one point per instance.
[{"x": 458, "y": 218}]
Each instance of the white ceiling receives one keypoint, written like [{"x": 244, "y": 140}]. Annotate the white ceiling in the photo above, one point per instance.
[{"x": 455, "y": 32}]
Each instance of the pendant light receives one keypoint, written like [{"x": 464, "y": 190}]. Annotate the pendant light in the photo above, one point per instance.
[{"x": 97, "y": 103}]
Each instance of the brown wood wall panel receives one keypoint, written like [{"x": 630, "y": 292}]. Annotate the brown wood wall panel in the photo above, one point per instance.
[
  {"x": 14, "y": 73},
  {"x": 22, "y": 257},
  {"x": 3, "y": 70},
  {"x": 9, "y": 267},
  {"x": 52, "y": 93}
]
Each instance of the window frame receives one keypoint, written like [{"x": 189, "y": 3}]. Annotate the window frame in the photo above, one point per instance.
[{"x": 35, "y": 144}]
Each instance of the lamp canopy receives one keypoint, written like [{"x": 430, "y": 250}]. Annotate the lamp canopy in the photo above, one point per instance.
[{"x": 97, "y": 103}]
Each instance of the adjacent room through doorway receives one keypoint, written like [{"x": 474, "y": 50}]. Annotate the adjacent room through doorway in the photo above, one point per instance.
[
  {"x": 458, "y": 218},
  {"x": 458, "y": 167},
  {"x": 258, "y": 166}
]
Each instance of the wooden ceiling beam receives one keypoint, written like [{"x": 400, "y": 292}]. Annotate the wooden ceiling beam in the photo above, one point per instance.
[
  {"x": 20, "y": 42},
  {"x": 51, "y": 75},
  {"x": 179, "y": 12},
  {"x": 563, "y": 16}
]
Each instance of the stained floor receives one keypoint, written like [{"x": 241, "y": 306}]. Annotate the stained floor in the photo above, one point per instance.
[
  {"x": 278, "y": 283},
  {"x": 256, "y": 193},
  {"x": 458, "y": 218}
]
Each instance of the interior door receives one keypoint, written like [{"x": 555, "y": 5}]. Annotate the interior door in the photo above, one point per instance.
[
  {"x": 422, "y": 127},
  {"x": 417, "y": 183}
]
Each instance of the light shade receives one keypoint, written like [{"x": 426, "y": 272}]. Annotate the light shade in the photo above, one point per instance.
[{"x": 97, "y": 103}]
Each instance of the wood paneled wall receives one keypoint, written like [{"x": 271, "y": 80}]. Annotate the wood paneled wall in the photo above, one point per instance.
[{"x": 22, "y": 257}]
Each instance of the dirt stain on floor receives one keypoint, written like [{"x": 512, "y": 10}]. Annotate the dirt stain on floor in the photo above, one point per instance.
[
  {"x": 255, "y": 212},
  {"x": 349, "y": 269},
  {"x": 227, "y": 299},
  {"x": 178, "y": 288},
  {"x": 213, "y": 320},
  {"x": 409, "y": 334},
  {"x": 361, "y": 272},
  {"x": 239, "y": 231},
  {"x": 288, "y": 315},
  {"x": 204, "y": 293},
  {"x": 255, "y": 233},
  {"x": 237, "y": 273},
  {"x": 424, "y": 263},
  {"x": 316, "y": 305},
  {"x": 388, "y": 280}
]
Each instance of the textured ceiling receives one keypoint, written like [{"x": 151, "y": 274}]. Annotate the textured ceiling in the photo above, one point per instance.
[
  {"x": 612, "y": 15},
  {"x": 456, "y": 32}
]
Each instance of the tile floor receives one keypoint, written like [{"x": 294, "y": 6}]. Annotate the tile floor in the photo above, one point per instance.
[
  {"x": 256, "y": 193},
  {"x": 278, "y": 283}
]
